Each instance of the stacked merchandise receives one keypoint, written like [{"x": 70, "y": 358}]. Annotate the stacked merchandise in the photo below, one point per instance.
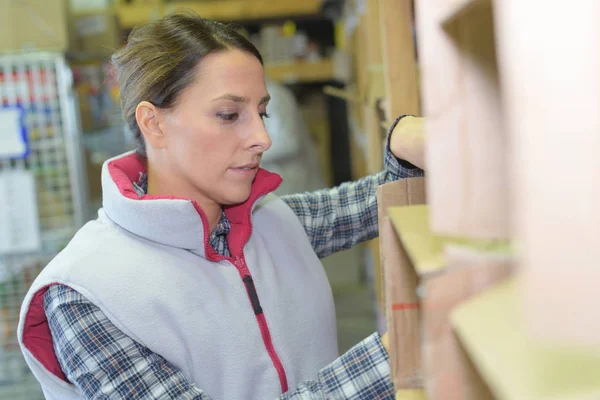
[
  {"x": 283, "y": 44},
  {"x": 41, "y": 201}
]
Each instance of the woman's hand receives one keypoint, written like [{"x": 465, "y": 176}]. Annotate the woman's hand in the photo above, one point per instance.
[{"x": 408, "y": 140}]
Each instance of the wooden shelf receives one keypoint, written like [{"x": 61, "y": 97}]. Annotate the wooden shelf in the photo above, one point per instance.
[
  {"x": 236, "y": 10},
  {"x": 408, "y": 394},
  {"x": 516, "y": 367},
  {"x": 321, "y": 71},
  {"x": 425, "y": 248},
  {"x": 130, "y": 15}
]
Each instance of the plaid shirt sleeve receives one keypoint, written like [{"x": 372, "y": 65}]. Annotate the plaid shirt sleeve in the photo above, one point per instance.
[
  {"x": 103, "y": 362},
  {"x": 361, "y": 373},
  {"x": 337, "y": 219}
]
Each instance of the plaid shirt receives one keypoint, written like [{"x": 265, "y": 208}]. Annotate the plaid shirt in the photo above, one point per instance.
[{"x": 102, "y": 362}]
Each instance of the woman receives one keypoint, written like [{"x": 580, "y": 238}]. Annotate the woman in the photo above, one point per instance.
[{"x": 194, "y": 283}]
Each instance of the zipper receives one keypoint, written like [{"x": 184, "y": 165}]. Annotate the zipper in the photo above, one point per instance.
[
  {"x": 240, "y": 264},
  {"x": 244, "y": 272}
]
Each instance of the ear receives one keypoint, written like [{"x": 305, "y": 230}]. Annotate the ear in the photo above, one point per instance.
[{"x": 148, "y": 116}]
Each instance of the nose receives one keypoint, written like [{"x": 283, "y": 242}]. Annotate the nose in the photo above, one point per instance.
[{"x": 261, "y": 141}]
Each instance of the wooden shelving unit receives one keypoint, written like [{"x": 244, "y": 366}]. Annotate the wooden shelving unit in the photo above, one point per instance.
[
  {"x": 490, "y": 287},
  {"x": 235, "y": 10},
  {"x": 470, "y": 317},
  {"x": 515, "y": 365},
  {"x": 305, "y": 72},
  {"x": 131, "y": 15},
  {"x": 383, "y": 80}
]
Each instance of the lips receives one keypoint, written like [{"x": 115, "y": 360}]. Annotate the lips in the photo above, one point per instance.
[
  {"x": 247, "y": 169},
  {"x": 248, "y": 166}
]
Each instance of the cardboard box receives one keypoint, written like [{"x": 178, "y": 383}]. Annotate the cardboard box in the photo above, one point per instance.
[
  {"x": 400, "y": 283},
  {"x": 96, "y": 32},
  {"x": 33, "y": 25}
]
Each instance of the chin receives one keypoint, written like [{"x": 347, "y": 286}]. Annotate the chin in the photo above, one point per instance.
[{"x": 236, "y": 195}]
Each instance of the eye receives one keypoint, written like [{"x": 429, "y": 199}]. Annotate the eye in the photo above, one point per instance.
[
  {"x": 264, "y": 115},
  {"x": 228, "y": 117}
]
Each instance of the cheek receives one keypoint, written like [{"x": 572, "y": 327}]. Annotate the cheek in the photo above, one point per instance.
[{"x": 208, "y": 150}]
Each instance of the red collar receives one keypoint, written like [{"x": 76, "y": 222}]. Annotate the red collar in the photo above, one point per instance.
[{"x": 126, "y": 169}]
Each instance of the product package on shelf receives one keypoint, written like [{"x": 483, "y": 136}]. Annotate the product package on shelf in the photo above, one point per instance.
[
  {"x": 399, "y": 284},
  {"x": 42, "y": 193},
  {"x": 97, "y": 95}
]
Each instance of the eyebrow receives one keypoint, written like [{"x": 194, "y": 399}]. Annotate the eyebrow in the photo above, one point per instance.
[{"x": 241, "y": 99}]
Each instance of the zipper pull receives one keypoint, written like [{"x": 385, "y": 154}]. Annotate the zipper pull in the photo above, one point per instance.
[{"x": 251, "y": 289}]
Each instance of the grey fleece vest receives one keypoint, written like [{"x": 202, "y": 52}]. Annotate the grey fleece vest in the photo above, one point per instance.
[{"x": 247, "y": 327}]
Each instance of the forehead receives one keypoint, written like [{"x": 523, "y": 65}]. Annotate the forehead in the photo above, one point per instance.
[{"x": 233, "y": 71}]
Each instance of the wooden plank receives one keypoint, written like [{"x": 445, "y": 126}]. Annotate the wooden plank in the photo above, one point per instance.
[
  {"x": 301, "y": 71},
  {"x": 400, "y": 68},
  {"x": 375, "y": 88},
  {"x": 130, "y": 15},
  {"x": 362, "y": 77},
  {"x": 234, "y": 10},
  {"x": 515, "y": 365},
  {"x": 466, "y": 147},
  {"x": 425, "y": 248},
  {"x": 407, "y": 394},
  {"x": 448, "y": 375},
  {"x": 375, "y": 142},
  {"x": 551, "y": 84}
]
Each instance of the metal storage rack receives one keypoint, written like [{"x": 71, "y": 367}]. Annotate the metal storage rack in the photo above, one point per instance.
[{"x": 40, "y": 85}]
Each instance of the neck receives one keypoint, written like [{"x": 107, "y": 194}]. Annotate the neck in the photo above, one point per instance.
[{"x": 158, "y": 186}]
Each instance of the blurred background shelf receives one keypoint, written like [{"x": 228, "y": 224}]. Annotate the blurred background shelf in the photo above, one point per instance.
[
  {"x": 237, "y": 10},
  {"x": 131, "y": 15},
  {"x": 320, "y": 71}
]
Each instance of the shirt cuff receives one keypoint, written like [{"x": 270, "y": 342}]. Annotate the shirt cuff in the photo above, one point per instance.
[
  {"x": 397, "y": 168},
  {"x": 361, "y": 373}
]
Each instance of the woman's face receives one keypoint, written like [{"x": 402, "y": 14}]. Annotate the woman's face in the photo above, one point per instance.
[{"x": 214, "y": 137}]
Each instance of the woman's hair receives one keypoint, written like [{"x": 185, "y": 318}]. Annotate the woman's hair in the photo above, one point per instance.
[{"x": 160, "y": 60}]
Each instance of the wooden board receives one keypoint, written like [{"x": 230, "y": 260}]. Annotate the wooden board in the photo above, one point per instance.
[
  {"x": 374, "y": 87},
  {"x": 448, "y": 375},
  {"x": 233, "y": 10},
  {"x": 516, "y": 366},
  {"x": 301, "y": 72},
  {"x": 415, "y": 394},
  {"x": 552, "y": 97},
  {"x": 130, "y": 15},
  {"x": 399, "y": 64},
  {"x": 425, "y": 248},
  {"x": 466, "y": 145}
]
